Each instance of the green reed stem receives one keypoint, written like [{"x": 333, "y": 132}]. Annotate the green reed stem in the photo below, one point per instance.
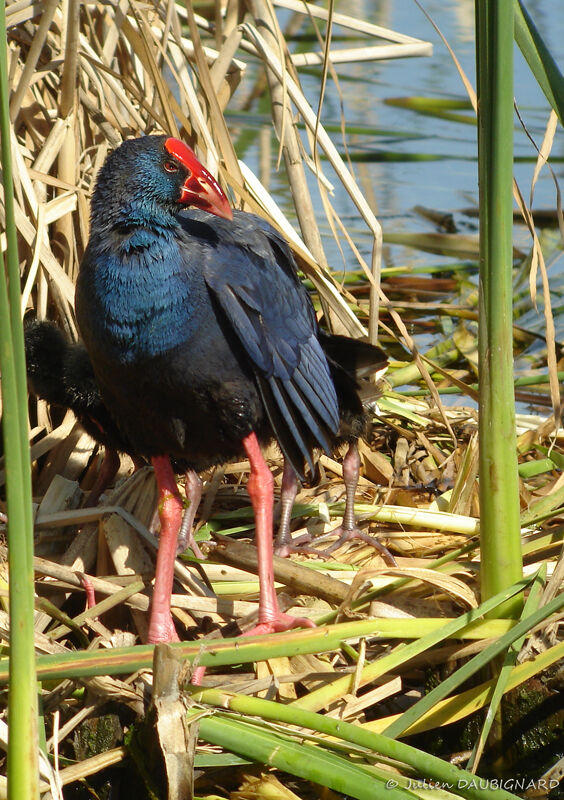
[
  {"x": 499, "y": 490},
  {"x": 425, "y": 765},
  {"x": 23, "y": 770}
]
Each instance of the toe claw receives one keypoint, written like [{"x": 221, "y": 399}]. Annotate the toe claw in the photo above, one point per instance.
[{"x": 279, "y": 624}]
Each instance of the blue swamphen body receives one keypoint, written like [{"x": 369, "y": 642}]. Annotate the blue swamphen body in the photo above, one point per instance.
[{"x": 204, "y": 342}]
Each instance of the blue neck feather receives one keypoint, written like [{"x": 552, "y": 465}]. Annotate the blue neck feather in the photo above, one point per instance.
[{"x": 140, "y": 280}]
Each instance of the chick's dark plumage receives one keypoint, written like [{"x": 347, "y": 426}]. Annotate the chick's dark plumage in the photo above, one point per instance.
[{"x": 61, "y": 373}]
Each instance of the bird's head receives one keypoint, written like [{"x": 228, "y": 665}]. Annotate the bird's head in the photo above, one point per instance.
[
  {"x": 150, "y": 178},
  {"x": 198, "y": 187}
]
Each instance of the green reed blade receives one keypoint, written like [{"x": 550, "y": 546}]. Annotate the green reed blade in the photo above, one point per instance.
[{"x": 23, "y": 772}]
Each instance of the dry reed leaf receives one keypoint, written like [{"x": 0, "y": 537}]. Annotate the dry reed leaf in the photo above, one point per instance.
[
  {"x": 217, "y": 121},
  {"x": 128, "y": 558},
  {"x": 537, "y": 261},
  {"x": 446, "y": 583},
  {"x": 348, "y": 55},
  {"x": 55, "y": 271},
  {"x": 22, "y": 179},
  {"x": 263, "y": 787},
  {"x": 544, "y": 151},
  {"x": 465, "y": 486},
  {"x": 350, "y": 707},
  {"x": 369, "y": 577},
  {"x": 219, "y": 608},
  {"x": 34, "y": 265},
  {"x": 355, "y": 24},
  {"x": 273, "y": 669},
  {"x": 465, "y": 80},
  {"x": 91, "y": 766}
]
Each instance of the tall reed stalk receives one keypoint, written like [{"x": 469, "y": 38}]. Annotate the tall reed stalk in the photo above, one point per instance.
[
  {"x": 23, "y": 772},
  {"x": 499, "y": 491}
]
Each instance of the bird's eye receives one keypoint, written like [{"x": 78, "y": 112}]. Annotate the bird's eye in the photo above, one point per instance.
[{"x": 171, "y": 166}]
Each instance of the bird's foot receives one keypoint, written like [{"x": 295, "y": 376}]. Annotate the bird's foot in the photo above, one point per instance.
[
  {"x": 193, "y": 489},
  {"x": 188, "y": 541},
  {"x": 346, "y": 534},
  {"x": 279, "y": 622},
  {"x": 287, "y": 546},
  {"x": 303, "y": 544}
]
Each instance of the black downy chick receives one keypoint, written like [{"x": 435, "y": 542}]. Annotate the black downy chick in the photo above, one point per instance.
[{"x": 61, "y": 373}]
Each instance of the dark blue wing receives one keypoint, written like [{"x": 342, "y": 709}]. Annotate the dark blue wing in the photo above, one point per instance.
[{"x": 253, "y": 278}]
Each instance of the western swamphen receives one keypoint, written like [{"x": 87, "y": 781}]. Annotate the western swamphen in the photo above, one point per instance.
[{"x": 204, "y": 342}]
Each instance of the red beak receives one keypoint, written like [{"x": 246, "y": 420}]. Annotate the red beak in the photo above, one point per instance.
[{"x": 200, "y": 188}]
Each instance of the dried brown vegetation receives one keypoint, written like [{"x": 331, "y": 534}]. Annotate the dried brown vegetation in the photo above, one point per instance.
[{"x": 84, "y": 77}]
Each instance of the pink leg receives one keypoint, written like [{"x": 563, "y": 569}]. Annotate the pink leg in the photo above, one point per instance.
[
  {"x": 283, "y": 544},
  {"x": 260, "y": 488},
  {"x": 197, "y": 676},
  {"x": 89, "y": 590},
  {"x": 108, "y": 470},
  {"x": 161, "y": 626},
  {"x": 193, "y": 497}
]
